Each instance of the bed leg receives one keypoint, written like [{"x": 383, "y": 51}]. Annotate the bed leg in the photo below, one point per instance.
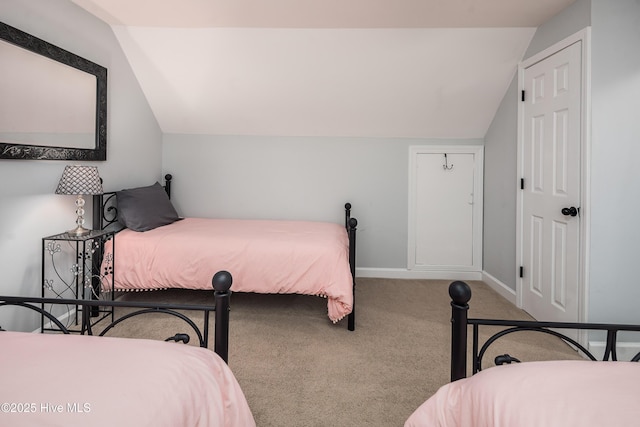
[
  {"x": 460, "y": 294},
  {"x": 351, "y": 227},
  {"x": 221, "y": 284},
  {"x": 351, "y": 319}
]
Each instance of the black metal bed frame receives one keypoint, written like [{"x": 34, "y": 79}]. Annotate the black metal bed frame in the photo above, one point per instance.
[
  {"x": 460, "y": 294},
  {"x": 221, "y": 283},
  {"x": 105, "y": 214}
]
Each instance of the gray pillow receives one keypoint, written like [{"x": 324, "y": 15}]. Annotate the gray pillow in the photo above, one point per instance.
[{"x": 145, "y": 208}]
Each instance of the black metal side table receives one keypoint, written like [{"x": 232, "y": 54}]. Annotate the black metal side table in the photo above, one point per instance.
[{"x": 73, "y": 268}]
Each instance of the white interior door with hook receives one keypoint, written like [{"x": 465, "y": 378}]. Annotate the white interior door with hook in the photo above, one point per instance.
[{"x": 445, "y": 208}]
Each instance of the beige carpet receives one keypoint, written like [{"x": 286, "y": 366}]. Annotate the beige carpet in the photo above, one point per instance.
[{"x": 298, "y": 369}]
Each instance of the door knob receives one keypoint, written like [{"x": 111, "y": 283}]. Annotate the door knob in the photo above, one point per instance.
[{"x": 573, "y": 211}]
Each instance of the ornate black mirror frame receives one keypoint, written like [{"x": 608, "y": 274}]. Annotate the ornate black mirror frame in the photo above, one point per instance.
[{"x": 40, "y": 152}]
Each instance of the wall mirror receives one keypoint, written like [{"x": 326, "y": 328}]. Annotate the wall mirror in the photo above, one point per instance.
[{"x": 53, "y": 103}]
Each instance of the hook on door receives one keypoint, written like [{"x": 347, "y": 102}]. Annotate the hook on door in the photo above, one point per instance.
[{"x": 446, "y": 165}]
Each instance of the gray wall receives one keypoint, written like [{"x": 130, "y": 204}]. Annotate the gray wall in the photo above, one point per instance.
[
  {"x": 500, "y": 181},
  {"x": 571, "y": 20},
  {"x": 615, "y": 149},
  {"x": 301, "y": 178},
  {"x": 500, "y": 184},
  {"x": 29, "y": 209}
]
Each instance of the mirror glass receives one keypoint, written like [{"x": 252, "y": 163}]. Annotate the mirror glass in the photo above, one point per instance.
[{"x": 52, "y": 102}]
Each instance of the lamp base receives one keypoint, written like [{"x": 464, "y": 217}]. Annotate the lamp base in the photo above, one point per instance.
[{"x": 79, "y": 231}]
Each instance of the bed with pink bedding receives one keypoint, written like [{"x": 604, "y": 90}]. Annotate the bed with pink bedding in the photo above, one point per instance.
[
  {"x": 264, "y": 256},
  {"x": 65, "y": 379},
  {"x": 546, "y": 394},
  {"x": 76, "y": 380},
  {"x": 585, "y": 392}
]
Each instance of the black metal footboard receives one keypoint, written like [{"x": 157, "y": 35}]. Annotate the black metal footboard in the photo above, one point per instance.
[
  {"x": 351, "y": 224},
  {"x": 460, "y": 294},
  {"x": 221, "y": 282}
]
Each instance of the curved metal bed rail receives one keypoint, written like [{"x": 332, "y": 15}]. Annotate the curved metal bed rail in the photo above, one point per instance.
[
  {"x": 106, "y": 209},
  {"x": 20, "y": 302},
  {"x": 506, "y": 358},
  {"x": 162, "y": 310},
  {"x": 221, "y": 283},
  {"x": 460, "y": 294}
]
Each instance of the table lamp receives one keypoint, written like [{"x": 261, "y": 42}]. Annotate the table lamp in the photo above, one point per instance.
[{"x": 80, "y": 180}]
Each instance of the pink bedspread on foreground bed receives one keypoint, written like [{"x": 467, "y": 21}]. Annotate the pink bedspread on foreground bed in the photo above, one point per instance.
[
  {"x": 558, "y": 393},
  {"x": 308, "y": 258},
  {"x": 72, "y": 380}
]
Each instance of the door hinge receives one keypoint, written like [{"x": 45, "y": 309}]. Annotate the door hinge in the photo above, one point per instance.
[
  {"x": 521, "y": 271},
  {"x": 522, "y": 183},
  {"x": 522, "y": 96}
]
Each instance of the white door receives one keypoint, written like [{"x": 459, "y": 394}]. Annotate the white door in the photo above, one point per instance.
[
  {"x": 446, "y": 198},
  {"x": 551, "y": 172}
]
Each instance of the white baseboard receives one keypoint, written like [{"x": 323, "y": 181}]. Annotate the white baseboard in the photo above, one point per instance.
[
  {"x": 625, "y": 350},
  {"x": 62, "y": 319},
  {"x": 403, "y": 273},
  {"x": 505, "y": 291}
]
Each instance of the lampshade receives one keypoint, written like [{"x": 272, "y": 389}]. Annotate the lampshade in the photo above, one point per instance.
[{"x": 78, "y": 179}]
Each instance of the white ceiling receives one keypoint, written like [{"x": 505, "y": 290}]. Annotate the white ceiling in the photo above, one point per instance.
[
  {"x": 363, "y": 68},
  {"x": 326, "y": 13}
]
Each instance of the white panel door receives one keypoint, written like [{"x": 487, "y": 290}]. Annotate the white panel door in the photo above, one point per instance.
[
  {"x": 446, "y": 198},
  {"x": 551, "y": 162}
]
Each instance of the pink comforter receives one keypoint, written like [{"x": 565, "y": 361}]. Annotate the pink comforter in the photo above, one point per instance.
[
  {"x": 545, "y": 394},
  {"x": 309, "y": 258},
  {"x": 66, "y": 380}
]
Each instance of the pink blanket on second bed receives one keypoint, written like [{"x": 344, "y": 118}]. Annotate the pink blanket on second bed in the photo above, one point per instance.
[
  {"x": 73, "y": 380},
  {"x": 556, "y": 393},
  {"x": 263, "y": 256}
]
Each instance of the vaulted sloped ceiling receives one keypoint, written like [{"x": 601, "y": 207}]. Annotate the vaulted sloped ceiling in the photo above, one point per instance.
[{"x": 358, "y": 68}]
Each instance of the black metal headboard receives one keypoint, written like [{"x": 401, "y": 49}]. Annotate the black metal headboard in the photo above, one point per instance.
[
  {"x": 105, "y": 208},
  {"x": 460, "y": 294}
]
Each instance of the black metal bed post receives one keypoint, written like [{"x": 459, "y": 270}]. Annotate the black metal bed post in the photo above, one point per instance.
[
  {"x": 351, "y": 224},
  {"x": 221, "y": 282},
  {"x": 460, "y": 294},
  {"x": 347, "y": 215},
  {"x": 167, "y": 184},
  {"x": 96, "y": 224},
  {"x": 96, "y": 216}
]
